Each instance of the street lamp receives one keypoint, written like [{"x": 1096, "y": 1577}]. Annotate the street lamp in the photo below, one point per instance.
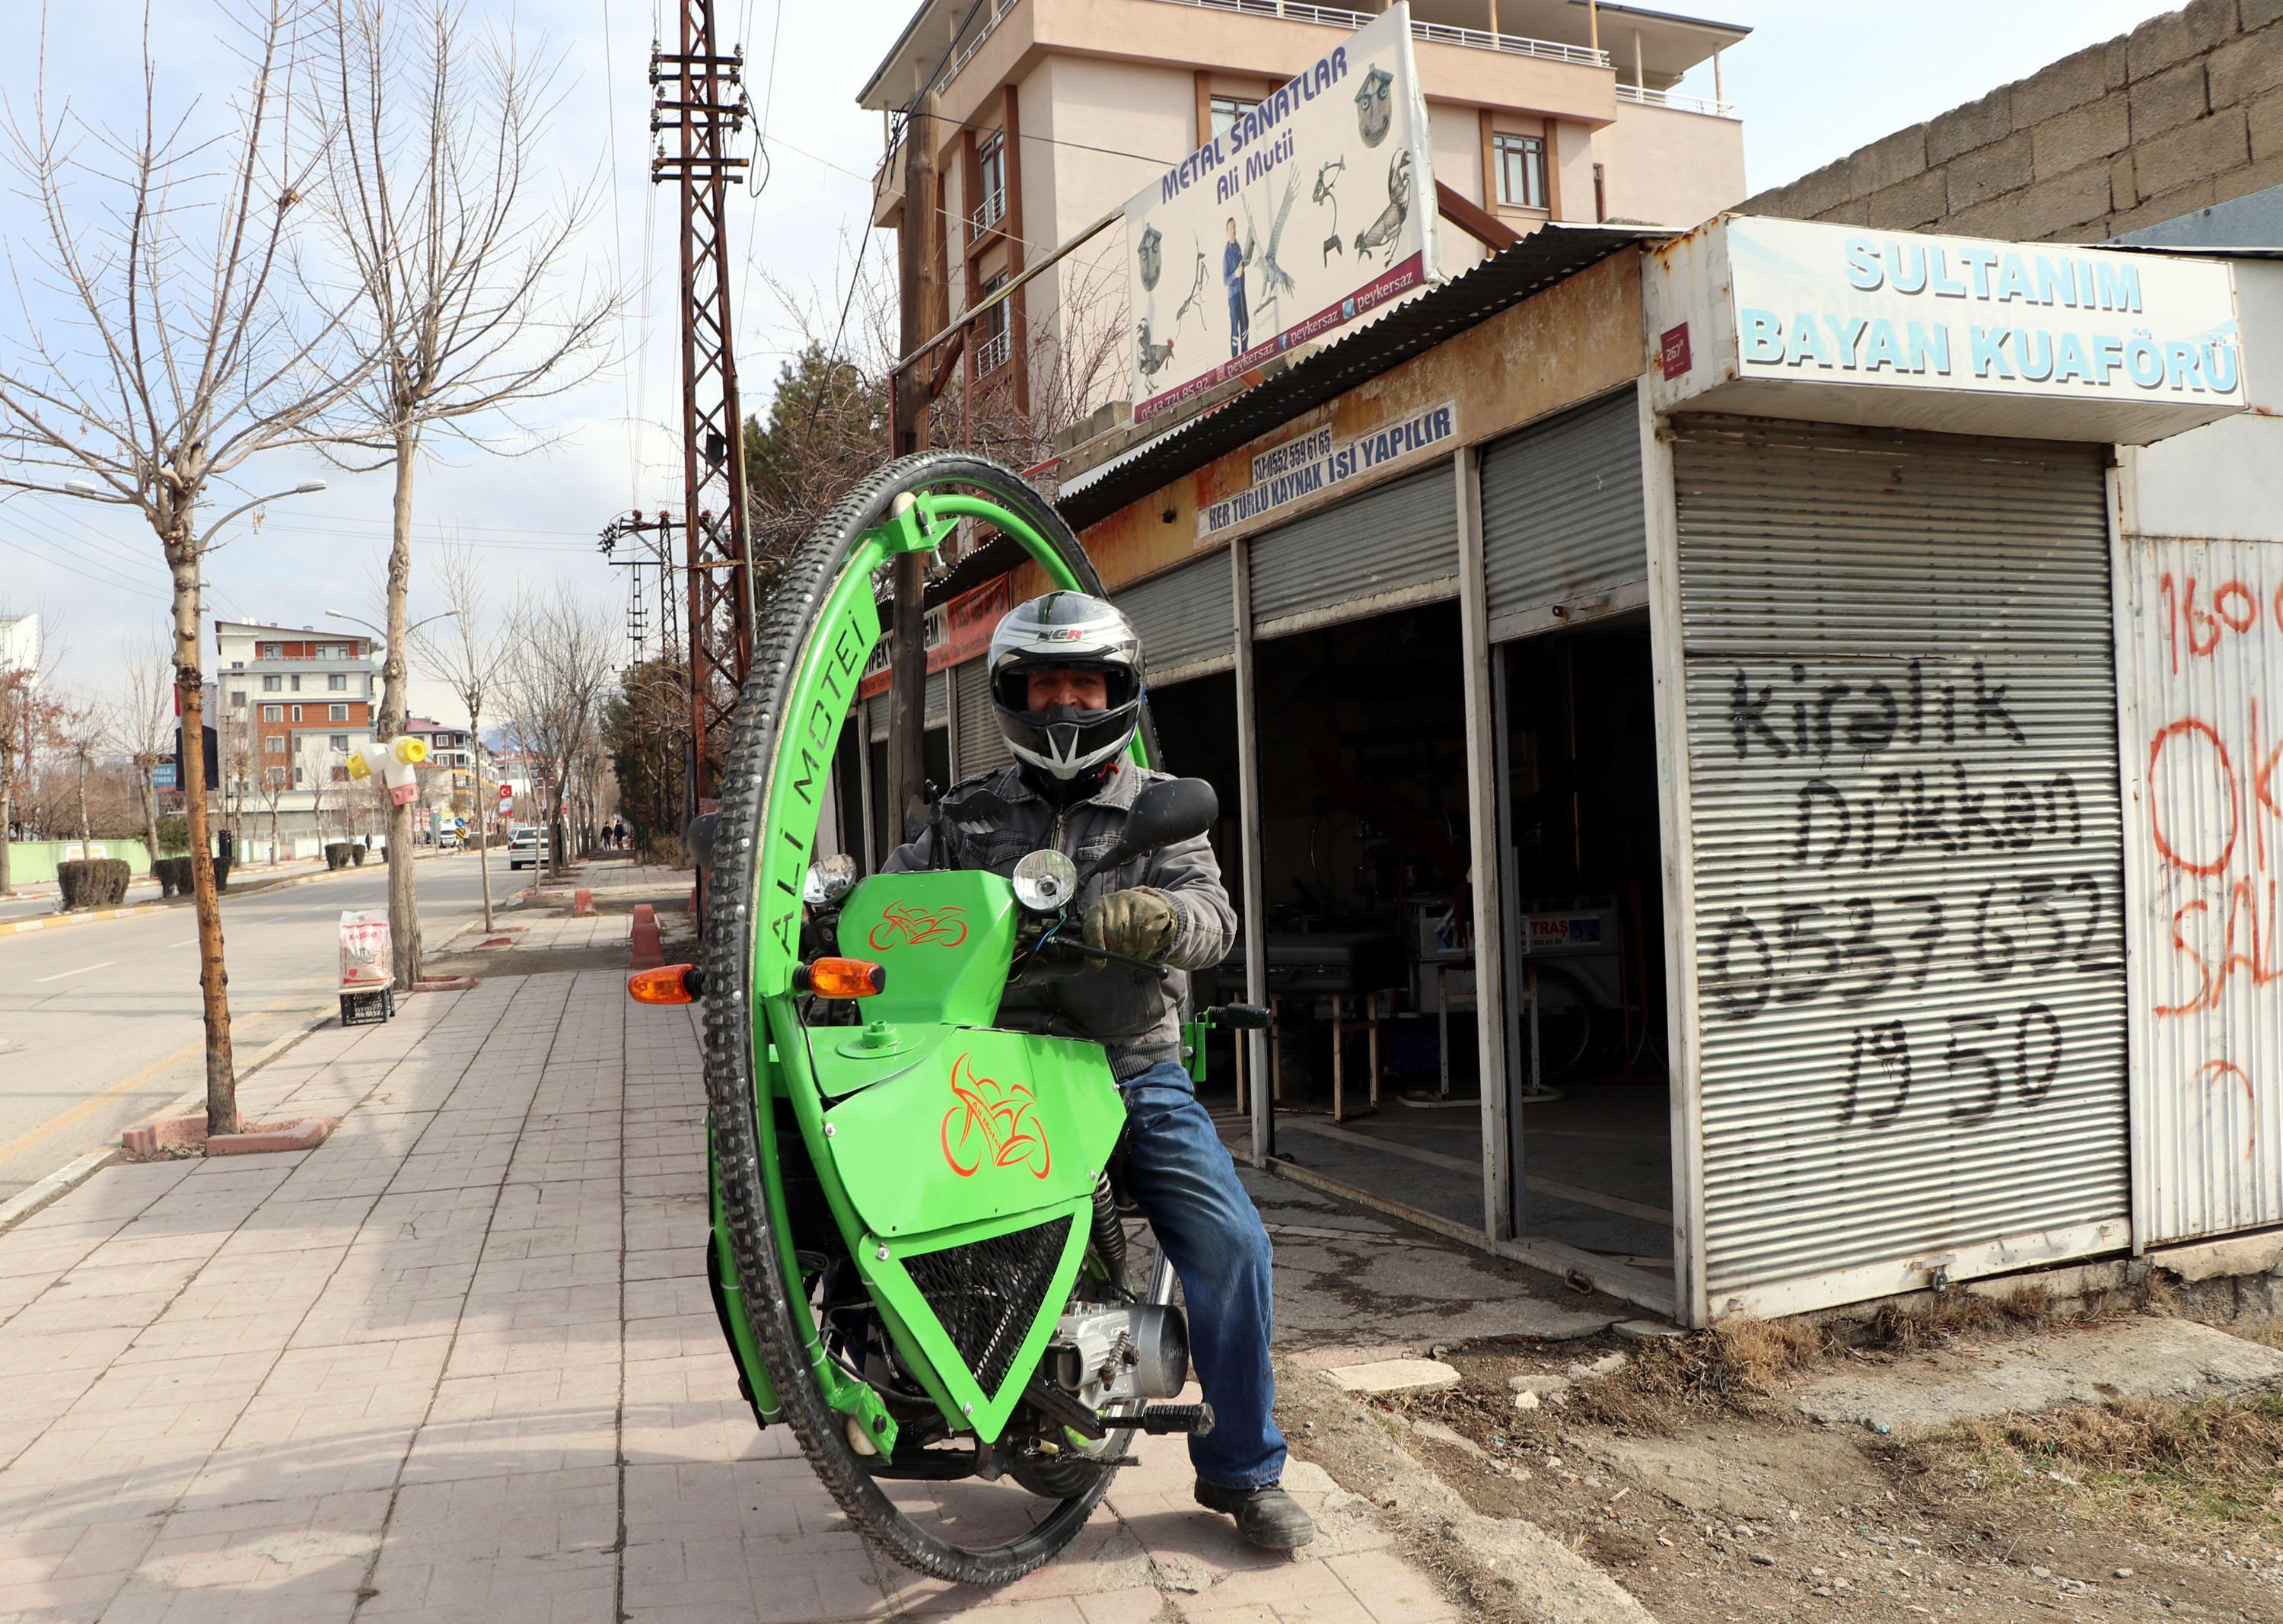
[
  {"x": 382, "y": 634},
  {"x": 307, "y": 488}
]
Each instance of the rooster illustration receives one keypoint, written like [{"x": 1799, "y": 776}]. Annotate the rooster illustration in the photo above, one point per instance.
[
  {"x": 1381, "y": 233},
  {"x": 1151, "y": 358}
]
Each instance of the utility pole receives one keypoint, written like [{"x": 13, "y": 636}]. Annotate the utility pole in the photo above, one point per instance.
[
  {"x": 695, "y": 93},
  {"x": 918, "y": 267}
]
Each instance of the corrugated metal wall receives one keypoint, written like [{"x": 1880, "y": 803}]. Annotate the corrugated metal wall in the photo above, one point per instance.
[
  {"x": 1561, "y": 510},
  {"x": 1399, "y": 541},
  {"x": 1902, "y": 744},
  {"x": 1187, "y": 620},
  {"x": 2202, "y": 659},
  {"x": 982, "y": 747}
]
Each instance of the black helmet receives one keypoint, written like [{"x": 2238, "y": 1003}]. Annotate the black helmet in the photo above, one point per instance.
[{"x": 1065, "y": 631}]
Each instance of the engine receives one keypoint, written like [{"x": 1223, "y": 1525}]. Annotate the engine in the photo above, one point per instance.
[{"x": 1104, "y": 1355}]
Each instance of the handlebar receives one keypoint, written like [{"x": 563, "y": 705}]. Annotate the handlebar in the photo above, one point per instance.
[
  {"x": 1160, "y": 970},
  {"x": 1239, "y": 1017}
]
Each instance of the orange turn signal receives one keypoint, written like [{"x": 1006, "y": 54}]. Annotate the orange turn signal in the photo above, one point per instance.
[
  {"x": 841, "y": 978},
  {"x": 666, "y": 984}
]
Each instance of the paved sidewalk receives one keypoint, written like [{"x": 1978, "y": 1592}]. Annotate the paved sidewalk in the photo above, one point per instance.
[{"x": 459, "y": 1364}]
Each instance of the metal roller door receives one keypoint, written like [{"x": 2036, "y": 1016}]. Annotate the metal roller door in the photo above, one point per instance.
[
  {"x": 982, "y": 747},
  {"x": 1907, "y": 869},
  {"x": 1562, "y": 517},
  {"x": 1394, "y": 545},
  {"x": 1187, "y": 619},
  {"x": 938, "y": 713},
  {"x": 2201, "y": 625}
]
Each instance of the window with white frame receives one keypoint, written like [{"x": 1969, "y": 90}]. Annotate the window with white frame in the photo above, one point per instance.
[
  {"x": 991, "y": 346},
  {"x": 991, "y": 180},
  {"x": 337, "y": 682},
  {"x": 297, "y": 712},
  {"x": 273, "y": 743},
  {"x": 338, "y": 741},
  {"x": 1520, "y": 170},
  {"x": 273, "y": 713},
  {"x": 337, "y": 713},
  {"x": 1226, "y": 110},
  {"x": 271, "y": 684}
]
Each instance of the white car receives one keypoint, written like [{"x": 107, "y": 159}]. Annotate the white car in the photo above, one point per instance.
[{"x": 526, "y": 849}]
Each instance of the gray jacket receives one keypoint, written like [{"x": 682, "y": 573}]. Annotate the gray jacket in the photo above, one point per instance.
[{"x": 990, "y": 821}]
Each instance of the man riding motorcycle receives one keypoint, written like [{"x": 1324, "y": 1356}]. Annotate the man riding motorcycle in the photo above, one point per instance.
[{"x": 1066, "y": 685}]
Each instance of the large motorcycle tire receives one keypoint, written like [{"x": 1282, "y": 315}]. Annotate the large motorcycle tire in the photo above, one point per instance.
[{"x": 782, "y": 641}]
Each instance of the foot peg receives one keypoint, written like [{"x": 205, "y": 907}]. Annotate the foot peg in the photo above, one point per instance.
[{"x": 1195, "y": 1419}]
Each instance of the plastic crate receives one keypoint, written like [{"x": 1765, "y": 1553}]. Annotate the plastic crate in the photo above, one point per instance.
[{"x": 368, "y": 1009}]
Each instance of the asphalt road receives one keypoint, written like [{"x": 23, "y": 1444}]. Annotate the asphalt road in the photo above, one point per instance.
[{"x": 99, "y": 1023}]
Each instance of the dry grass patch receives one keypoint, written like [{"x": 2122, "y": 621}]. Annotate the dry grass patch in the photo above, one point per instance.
[{"x": 2216, "y": 1460}]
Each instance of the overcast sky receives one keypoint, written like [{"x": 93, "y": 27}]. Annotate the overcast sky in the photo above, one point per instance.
[{"x": 1817, "y": 79}]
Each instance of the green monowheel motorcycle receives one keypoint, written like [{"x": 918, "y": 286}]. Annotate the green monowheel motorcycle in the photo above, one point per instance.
[{"x": 918, "y": 1254}]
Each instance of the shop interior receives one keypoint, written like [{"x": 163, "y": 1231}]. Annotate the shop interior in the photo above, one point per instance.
[{"x": 1368, "y": 918}]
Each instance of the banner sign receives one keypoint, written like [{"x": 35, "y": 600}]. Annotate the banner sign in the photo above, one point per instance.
[
  {"x": 1316, "y": 207},
  {"x": 367, "y": 962},
  {"x": 958, "y": 631},
  {"x": 1838, "y": 304},
  {"x": 1313, "y": 462}
]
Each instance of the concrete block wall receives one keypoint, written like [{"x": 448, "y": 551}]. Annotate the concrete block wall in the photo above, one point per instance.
[{"x": 2183, "y": 112}]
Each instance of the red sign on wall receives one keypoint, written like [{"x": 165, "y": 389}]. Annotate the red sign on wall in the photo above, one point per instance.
[{"x": 1676, "y": 350}]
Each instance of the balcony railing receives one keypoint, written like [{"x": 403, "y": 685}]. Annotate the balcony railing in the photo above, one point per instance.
[
  {"x": 1641, "y": 97},
  {"x": 990, "y": 354},
  {"x": 1434, "y": 33},
  {"x": 989, "y": 212}
]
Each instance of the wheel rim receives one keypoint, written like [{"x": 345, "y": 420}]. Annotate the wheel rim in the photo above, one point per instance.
[{"x": 971, "y": 1531}]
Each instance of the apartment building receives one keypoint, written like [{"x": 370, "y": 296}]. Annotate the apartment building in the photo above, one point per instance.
[
  {"x": 294, "y": 702},
  {"x": 1046, "y": 114}
]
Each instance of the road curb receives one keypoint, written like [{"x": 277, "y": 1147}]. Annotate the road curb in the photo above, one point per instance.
[{"x": 60, "y": 921}]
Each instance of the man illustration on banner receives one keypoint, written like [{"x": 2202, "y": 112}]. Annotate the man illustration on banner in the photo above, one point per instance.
[{"x": 1233, "y": 261}]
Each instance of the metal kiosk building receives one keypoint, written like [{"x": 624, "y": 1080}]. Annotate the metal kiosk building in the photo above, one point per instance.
[{"x": 1683, "y": 806}]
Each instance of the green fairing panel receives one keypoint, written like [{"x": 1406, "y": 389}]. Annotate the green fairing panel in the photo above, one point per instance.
[
  {"x": 969, "y": 1124},
  {"x": 946, "y": 941}
]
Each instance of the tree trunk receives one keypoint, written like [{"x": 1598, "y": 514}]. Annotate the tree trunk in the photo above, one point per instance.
[
  {"x": 213, "y": 979},
  {"x": 7, "y": 827},
  {"x": 143, "y": 767},
  {"x": 403, "y": 900},
  {"x": 483, "y": 861},
  {"x": 85, "y": 834}
]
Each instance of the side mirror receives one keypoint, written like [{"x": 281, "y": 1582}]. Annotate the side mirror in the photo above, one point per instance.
[
  {"x": 829, "y": 878},
  {"x": 1170, "y": 810}
]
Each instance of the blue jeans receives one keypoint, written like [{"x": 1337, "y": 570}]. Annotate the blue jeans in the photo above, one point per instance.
[{"x": 1183, "y": 1177}]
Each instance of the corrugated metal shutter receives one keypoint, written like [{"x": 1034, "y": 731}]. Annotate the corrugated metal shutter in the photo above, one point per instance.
[
  {"x": 982, "y": 747},
  {"x": 1187, "y": 619},
  {"x": 1902, "y": 748},
  {"x": 1561, "y": 511},
  {"x": 938, "y": 707},
  {"x": 2200, "y": 662},
  {"x": 1393, "y": 545}
]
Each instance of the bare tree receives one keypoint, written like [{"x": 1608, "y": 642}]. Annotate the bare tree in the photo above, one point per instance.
[
  {"x": 162, "y": 358},
  {"x": 271, "y": 786},
  {"x": 467, "y": 659},
  {"x": 430, "y": 195},
  {"x": 143, "y": 724},
  {"x": 557, "y": 672},
  {"x": 27, "y": 721}
]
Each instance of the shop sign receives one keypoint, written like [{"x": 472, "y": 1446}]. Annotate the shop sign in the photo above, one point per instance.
[
  {"x": 958, "y": 631},
  {"x": 1315, "y": 208},
  {"x": 1315, "y": 461},
  {"x": 1835, "y": 304}
]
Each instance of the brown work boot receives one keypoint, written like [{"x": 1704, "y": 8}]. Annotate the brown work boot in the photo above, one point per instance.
[{"x": 1267, "y": 1516}]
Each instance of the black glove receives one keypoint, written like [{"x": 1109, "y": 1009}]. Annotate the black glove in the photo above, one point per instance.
[{"x": 1141, "y": 922}]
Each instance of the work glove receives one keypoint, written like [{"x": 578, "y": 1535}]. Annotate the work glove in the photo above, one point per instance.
[{"x": 1141, "y": 922}]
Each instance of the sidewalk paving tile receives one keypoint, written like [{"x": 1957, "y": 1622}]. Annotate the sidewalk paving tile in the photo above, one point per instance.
[{"x": 461, "y": 1363}]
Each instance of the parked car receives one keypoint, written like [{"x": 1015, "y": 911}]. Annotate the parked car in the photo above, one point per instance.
[
  {"x": 447, "y": 840},
  {"x": 526, "y": 849}
]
